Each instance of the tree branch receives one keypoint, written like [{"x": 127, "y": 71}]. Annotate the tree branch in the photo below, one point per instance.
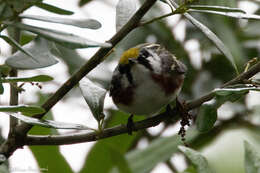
[
  {"x": 10, "y": 145},
  {"x": 13, "y": 86},
  {"x": 121, "y": 129}
]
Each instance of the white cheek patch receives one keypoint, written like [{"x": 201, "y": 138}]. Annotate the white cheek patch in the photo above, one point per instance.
[{"x": 155, "y": 62}]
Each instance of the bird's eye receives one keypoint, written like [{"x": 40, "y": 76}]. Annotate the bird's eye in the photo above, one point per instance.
[{"x": 143, "y": 54}]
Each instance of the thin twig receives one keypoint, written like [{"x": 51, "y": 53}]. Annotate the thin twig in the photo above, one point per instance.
[
  {"x": 121, "y": 129},
  {"x": 158, "y": 18},
  {"x": 179, "y": 10}
]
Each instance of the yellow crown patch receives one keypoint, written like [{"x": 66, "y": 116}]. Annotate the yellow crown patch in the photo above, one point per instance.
[{"x": 130, "y": 53}]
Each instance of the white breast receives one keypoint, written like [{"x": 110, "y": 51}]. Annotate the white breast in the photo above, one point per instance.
[{"x": 149, "y": 97}]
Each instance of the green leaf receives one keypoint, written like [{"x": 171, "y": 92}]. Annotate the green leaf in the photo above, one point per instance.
[
  {"x": 53, "y": 9},
  {"x": 215, "y": 8},
  {"x": 63, "y": 38},
  {"x": 38, "y": 78},
  {"x": 40, "y": 48},
  {"x": 160, "y": 150},
  {"x": 198, "y": 160},
  {"x": 50, "y": 159},
  {"x": 232, "y": 93},
  {"x": 124, "y": 11},
  {"x": 23, "y": 108},
  {"x": 236, "y": 89},
  {"x": 83, "y": 2},
  {"x": 206, "y": 118},
  {"x": 252, "y": 158},
  {"x": 190, "y": 169},
  {"x": 229, "y": 14},
  {"x": 94, "y": 96},
  {"x": 17, "y": 46},
  {"x": 211, "y": 36},
  {"x": 83, "y": 23},
  {"x": 120, "y": 160},
  {"x": 49, "y": 123}
]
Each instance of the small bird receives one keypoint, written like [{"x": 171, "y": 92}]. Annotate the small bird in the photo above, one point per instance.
[{"x": 146, "y": 79}]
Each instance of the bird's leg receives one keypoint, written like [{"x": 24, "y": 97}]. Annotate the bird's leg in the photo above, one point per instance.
[
  {"x": 130, "y": 124},
  {"x": 185, "y": 118}
]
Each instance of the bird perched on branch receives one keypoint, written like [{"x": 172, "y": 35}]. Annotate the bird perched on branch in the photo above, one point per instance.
[{"x": 146, "y": 79}]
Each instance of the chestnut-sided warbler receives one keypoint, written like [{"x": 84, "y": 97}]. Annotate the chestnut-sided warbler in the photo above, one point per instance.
[{"x": 146, "y": 79}]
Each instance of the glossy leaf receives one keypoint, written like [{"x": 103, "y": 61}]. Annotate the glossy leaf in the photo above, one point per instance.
[
  {"x": 13, "y": 43},
  {"x": 53, "y": 9},
  {"x": 38, "y": 78},
  {"x": 22, "y": 108},
  {"x": 208, "y": 33},
  {"x": 215, "y": 8},
  {"x": 40, "y": 48},
  {"x": 124, "y": 11},
  {"x": 49, "y": 123},
  {"x": 251, "y": 158},
  {"x": 83, "y": 23},
  {"x": 94, "y": 96},
  {"x": 198, "y": 160},
  {"x": 160, "y": 150},
  {"x": 206, "y": 118},
  {"x": 63, "y": 38}
]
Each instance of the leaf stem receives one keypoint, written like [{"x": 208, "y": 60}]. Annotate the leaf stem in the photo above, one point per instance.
[{"x": 159, "y": 18}]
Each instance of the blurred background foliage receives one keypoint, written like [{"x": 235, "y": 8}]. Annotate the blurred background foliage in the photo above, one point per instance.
[{"x": 222, "y": 146}]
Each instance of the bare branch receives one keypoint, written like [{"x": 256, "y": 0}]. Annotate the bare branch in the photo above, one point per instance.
[{"x": 121, "y": 129}]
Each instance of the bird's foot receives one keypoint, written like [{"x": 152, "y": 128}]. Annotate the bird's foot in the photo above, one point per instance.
[{"x": 130, "y": 124}]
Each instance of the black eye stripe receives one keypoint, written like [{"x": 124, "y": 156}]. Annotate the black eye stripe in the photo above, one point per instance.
[
  {"x": 144, "y": 53},
  {"x": 142, "y": 59}
]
